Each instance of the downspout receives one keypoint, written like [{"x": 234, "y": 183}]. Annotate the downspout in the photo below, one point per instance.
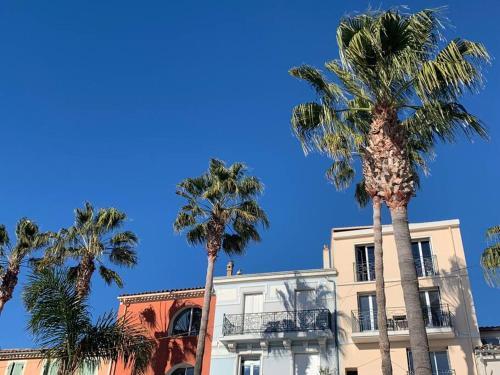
[{"x": 335, "y": 326}]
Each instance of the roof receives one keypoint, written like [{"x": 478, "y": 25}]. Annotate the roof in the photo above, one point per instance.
[
  {"x": 166, "y": 294},
  {"x": 346, "y": 232},
  {"x": 8, "y": 354},
  {"x": 489, "y": 328}
]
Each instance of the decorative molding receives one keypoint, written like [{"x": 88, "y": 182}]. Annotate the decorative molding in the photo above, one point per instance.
[
  {"x": 21, "y": 354},
  {"x": 163, "y": 296}
]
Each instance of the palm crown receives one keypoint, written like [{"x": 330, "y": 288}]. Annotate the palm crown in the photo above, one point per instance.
[
  {"x": 490, "y": 259},
  {"x": 94, "y": 236},
  {"x": 221, "y": 210},
  {"x": 61, "y": 323},
  {"x": 392, "y": 62}
]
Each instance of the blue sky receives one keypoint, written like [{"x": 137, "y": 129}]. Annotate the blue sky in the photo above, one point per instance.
[{"x": 115, "y": 102}]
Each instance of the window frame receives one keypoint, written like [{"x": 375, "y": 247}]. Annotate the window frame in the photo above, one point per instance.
[
  {"x": 249, "y": 357},
  {"x": 176, "y": 317},
  {"x": 365, "y": 246},
  {"x": 419, "y": 240},
  {"x": 373, "y": 311}
]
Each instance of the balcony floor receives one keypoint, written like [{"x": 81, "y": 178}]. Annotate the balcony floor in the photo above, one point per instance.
[
  {"x": 366, "y": 337},
  {"x": 270, "y": 337}
]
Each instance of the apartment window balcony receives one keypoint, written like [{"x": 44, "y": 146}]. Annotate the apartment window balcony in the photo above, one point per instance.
[
  {"x": 426, "y": 266},
  {"x": 438, "y": 322},
  {"x": 272, "y": 322},
  {"x": 364, "y": 271}
]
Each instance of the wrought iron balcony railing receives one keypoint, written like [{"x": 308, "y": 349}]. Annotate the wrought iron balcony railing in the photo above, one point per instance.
[
  {"x": 437, "y": 372},
  {"x": 279, "y": 321},
  {"x": 426, "y": 266},
  {"x": 434, "y": 317},
  {"x": 364, "y": 271}
]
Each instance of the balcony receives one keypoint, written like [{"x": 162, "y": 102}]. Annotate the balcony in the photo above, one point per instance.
[
  {"x": 276, "y": 326},
  {"x": 438, "y": 322},
  {"x": 364, "y": 271},
  {"x": 438, "y": 372},
  {"x": 426, "y": 266}
]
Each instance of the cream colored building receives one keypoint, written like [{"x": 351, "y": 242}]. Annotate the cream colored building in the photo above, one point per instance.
[{"x": 446, "y": 298}]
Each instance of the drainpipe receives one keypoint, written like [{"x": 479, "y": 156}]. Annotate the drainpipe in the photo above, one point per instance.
[{"x": 335, "y": 326}]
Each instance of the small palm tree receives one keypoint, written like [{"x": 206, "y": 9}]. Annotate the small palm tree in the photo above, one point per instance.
[
  {"x": 398, "y": 82},
  {"x": 490, "y": 259},
  {"x": 28, "y": 239},
  {"x": 92, "y": 238},
  {"x": 60, "y": 320},
  {"x": 221, "y": 212}
]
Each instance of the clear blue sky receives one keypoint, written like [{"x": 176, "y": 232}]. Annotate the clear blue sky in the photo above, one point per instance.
[{"x": 116, "y": 101}]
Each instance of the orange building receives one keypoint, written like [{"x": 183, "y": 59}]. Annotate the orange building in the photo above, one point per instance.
[{"x": 172, "y": 319}]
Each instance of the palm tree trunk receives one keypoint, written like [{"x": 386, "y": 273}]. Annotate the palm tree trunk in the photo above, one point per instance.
[
  {"x": 205, "y": 312},
  {"x": 84, "y": 276},
  {"x": 409, "y": 282},
  {"x": 384, "y": 344},
  {"x": 9, "y": 282}
]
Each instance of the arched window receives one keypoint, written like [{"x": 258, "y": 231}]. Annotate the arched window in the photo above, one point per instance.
[
  {"x": 184, "y": 371},
  {"x": 187, "y": 323}
]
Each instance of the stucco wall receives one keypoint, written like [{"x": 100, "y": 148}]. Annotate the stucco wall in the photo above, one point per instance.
[
  {"x": 452, "y": 281},
  {"x": 279, "y": 295}
]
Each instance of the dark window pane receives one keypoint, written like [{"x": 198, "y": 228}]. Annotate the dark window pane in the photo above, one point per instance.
[
  {"x": 186, "y": 325},
  {"x": 426, "y": 248}
]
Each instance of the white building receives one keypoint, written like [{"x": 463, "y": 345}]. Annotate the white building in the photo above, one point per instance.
[{"x": 280, "y": 323}]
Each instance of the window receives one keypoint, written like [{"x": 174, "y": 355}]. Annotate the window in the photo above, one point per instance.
[
  {"x": 50, "y": 368},
  {"x": 15, "y": 368},
  {"x": 184, "y": 371},
  {"x": 250, "y": 366},
  {"x": 365, "y": 263},
  {"x": 490, "y": 340},
  {"x": 439, "y": 363},
  {"x": 431, "y": 305},
  {"x": 351, "y": 371},
  {"x": 367, "y": 314},
  {"x": 187, "y": 323},
  {"x": 422, "y": 256}
]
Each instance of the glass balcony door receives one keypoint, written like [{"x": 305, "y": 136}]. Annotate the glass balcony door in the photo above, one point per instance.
[
  {"x": 365, "y": 263},
  {"x": 439, "y": 363},
  {"x": 367, "y": 312},
  {"x": 250, "y": 367},
  {"x": 431, "y": 305},
  {"x": 422, "y": 256}
]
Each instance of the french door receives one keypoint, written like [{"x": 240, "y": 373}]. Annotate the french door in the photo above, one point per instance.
[
  {"x": 367, "y": 312},
  {"x": 431, "y": 305}
]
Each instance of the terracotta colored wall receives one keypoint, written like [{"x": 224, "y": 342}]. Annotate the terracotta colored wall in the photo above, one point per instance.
[
  {"x": 35, "y": 367},
  {"x": 156, "y": 317}
]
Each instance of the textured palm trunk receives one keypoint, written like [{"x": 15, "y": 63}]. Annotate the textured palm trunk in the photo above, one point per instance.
[
  {"x": 9, "y": 282},
  {"x": 84, "y": 276},
  {"x": 384, "y": 344},
  {"x": 388, "y": 174},
  {"x": 418, "y": 335},
  {"x": 205, "y": 312}
]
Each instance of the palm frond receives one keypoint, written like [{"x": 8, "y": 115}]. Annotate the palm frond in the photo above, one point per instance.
[{"x": 109, "y": 276}]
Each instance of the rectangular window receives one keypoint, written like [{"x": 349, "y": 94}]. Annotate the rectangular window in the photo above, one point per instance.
[
  {"x": 351, "y": 371},
  {"x": 367, "y": 313},
  {"x": 306, "y": 364},
  {"x": 250, "y": 366},
  {"x": 432, "y": 309},
  {"x": 439, "y": 362},
  {"x": 365, "y": 263},
  {"x": 15, "y": 368},
  {"x": 50, "y": 367},
  {"x": 305, "y": 299},
  {"x": 422, "y": 256},
  {"x": 253, "y": 303}
]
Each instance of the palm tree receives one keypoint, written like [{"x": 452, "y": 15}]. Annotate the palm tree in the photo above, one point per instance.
[
  {"x": 61, "y": 323},
  {"x": 28, "y": 239},
  {"x": 490, "y": 259},
  {"x": 395, "y": 76},
  {"x": 93, "y": 237},
  {"x": 221, "y": 212}
]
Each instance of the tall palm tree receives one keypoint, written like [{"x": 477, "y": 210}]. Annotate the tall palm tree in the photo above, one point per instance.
[
  {"x": 490, "y": 259},
  {"x": 221, "y": 212},
  {"x": 93, "y": 237},
  {"x": 28, "y": 239},
  {"x": 60, "y": 320},
  {"x": 394, "y": 71}
]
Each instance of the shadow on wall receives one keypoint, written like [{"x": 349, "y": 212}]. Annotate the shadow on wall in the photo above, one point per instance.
[
  {"x": 455, "y": 292},
  {"x": 170, "y": 350}
]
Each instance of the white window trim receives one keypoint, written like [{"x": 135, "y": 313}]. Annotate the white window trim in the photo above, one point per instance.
[{"x": 16, "y": 361}]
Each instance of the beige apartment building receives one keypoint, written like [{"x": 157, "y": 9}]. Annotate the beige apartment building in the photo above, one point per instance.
[{"x": 445, "y": 294}]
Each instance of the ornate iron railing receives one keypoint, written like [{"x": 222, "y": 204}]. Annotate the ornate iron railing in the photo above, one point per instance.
[
  {"x": 279, "y": 321},
  {"x": 364, "y": 271},
  {"x": 426, "y": 266},
  {"x": 434, "y": 317}
]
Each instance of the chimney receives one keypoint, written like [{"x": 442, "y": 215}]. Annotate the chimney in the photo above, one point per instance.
[{"x": 229, "y": 268}]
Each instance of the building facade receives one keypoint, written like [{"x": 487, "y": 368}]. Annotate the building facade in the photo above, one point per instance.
[
  {"x": 445, "y": 295},
  {"x": 275, "y": 323},
  {"x": 172, "y": 318}
]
